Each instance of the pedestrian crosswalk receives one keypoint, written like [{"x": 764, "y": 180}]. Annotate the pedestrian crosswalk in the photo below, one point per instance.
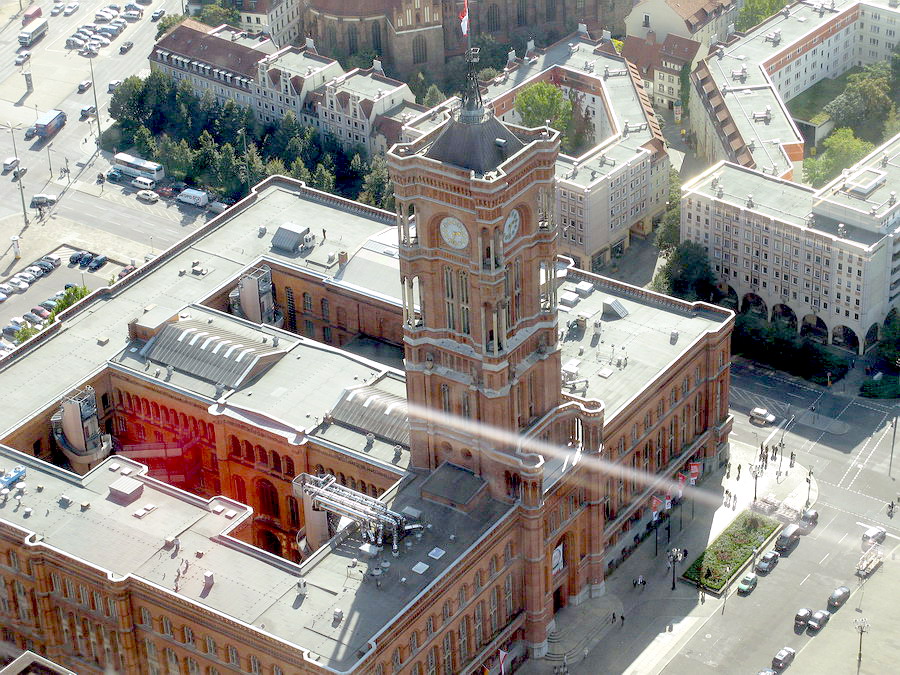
[{"x": 744, "y": 400}]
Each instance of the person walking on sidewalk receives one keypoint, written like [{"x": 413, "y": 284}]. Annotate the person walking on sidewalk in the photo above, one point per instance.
[
  {"x": 634, "y": 583},
  {"x": 739, "y": 472},
  {"x": 622, "y": 620},
  {"x": 614, "y": 617}
]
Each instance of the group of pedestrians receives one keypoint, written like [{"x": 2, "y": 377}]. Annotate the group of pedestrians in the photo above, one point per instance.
[{"x": 640, "y": 581}]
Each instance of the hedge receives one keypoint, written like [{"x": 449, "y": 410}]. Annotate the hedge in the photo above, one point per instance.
[{"x": 731, "y": 549}]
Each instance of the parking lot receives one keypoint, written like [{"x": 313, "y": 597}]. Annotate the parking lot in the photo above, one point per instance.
[{"x": 46, "y": 286}]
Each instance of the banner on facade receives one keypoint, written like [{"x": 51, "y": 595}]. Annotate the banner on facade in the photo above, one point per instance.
[
  {"x": 668, "y": 502},
  {"x": 655, "y": 505},
  {"x": 556, "y": 562},
  {"x": 694, "y": 468},
  {"x": 682, "y": 479}
]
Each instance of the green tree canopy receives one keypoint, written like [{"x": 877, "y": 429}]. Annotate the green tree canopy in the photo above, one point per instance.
[
  {"x": 433, "y": 96},
  {"x": 754, "y": 12},
  {"x": 687, "y": 274},
  {"x": 842, "y": 150},
  {"x": 542, "y": 102},
  {"x": 867, "y": 96},
  {"x": 214, "y": 14},
  {"x": 167, "y": 22}
]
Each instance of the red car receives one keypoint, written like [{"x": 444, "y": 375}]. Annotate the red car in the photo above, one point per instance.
[
  {"x": 125, "y": 271},
  {"x": 40, "y": 311},
  {"x": 165, "y": 191}
]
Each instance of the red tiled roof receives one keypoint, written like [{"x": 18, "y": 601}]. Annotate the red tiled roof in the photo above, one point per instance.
[
  {"x": 642, "y": 53},
  {"x": 191, "y": 40}
]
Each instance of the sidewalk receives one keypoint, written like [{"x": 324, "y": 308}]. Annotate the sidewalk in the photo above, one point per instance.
[{"x": 659, "y": 620}]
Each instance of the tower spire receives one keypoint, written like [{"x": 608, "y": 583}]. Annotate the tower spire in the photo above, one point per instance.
[{"x": 472, "y": 111}]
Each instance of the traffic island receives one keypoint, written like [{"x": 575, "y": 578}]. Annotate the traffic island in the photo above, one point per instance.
[{"x": 725, "y": 558}]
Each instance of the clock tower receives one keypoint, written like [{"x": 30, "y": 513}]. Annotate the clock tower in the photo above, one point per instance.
[{"x": 477, "y": 262}]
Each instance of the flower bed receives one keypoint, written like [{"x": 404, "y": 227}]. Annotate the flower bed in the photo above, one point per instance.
[{"x": 731, "y": 549}]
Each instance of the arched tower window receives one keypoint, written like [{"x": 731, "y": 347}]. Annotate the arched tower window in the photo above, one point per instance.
[
  {"x": 352, "y": 39},
  {"x": 267, "y": 496},
  {"x": 376, "y": 37},
  {"x": 419, "y": 50},
  {"x": 493, "y": 19},
  {"x": 551, "y": 10},
  {"x": 521, "y": 13}
]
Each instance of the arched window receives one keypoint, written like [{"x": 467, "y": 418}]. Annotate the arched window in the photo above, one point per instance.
[
  {"x": 239, "y": 489},
  {"x": 376, "y": 37},
  {"x": 293, "y": 512},
  {"x": 234, "y": 446},
  {"x": 341, "y": 479},
  {"x": 551, "y": 10},
  {"x": 154, "y": 409},
  {"x": 276, "y": 462},
  {"x": 248, "y": 451},
  {"x": 326, "y": 311},
  {"x": 331, "y": 38},
  {"x": 493, "y": 19},
  {"x": 419, "y": 50},
  {"x": 261, "y": 455},
  {"x": 352, "y": 39},
  {"x": 267, "y": 496},
  {"x": 521, "y": 13},
  {"x": 289, "y": 467}
]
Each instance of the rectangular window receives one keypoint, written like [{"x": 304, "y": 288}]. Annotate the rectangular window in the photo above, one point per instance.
[
  {"x": 211, "y": 647},
  {"x": 233, "y": 657},
  {"x": 146, "y": 617}
]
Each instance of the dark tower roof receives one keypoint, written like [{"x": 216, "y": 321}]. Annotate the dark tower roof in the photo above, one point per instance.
[{"x": 473, "y": 138}]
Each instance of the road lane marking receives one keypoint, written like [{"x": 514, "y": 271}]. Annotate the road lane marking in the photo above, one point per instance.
[
  {"x": 804, "y": 579},
  {"x": 862, "y": 450},
  {"x": 842, "y": 538},
  {"x": 823, "y": 559}
]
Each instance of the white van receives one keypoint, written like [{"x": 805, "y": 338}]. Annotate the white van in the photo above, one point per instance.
[
  {"x": 142, "y": 183},
  {"x": 195, "y": 197}
]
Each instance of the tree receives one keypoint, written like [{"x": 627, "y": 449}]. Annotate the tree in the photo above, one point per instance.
[
  {"x": 755, "y": 12},
  {"x": 277, "y": 142},
  {"x": 167, "y": 22},
  {"x": 25, "y": 332},
  {"x": 300, "y": 172},
  {"x": 127, "y": 104},
  {"x": 842, "y": 150},
  {"x": 323, "y": 179},
  {"x": 206, "y": 158},
  {"x": 542, "y": 102},
  {"x": 433, "y": 96},
  {"x": 144, "y": 143},
  {"x": 418, "y": 85},
  {"x": 867, "y": 96},
  {"x": 276, "y": 167},
  {"x": 580, "y": 133},
  {"x": 229, "y": 172},
  {"x": 214, "y": 14},
  {"x": 486, "y": 74},
  {"x": 687, "y": 274},
  {"x": 889, "y": 345},
  {"x": 256, "y": 168},
  {"x": 491, "y": 54},
  {"x": 668, "y": 236},
  {"x": 891, "y": 124},
  {"x": 377, "y": 187}
]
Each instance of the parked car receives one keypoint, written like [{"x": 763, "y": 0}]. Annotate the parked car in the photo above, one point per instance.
[
  {"x": 35, "y": 270},
  {"x": 157, "y": 15},
  {"x": 114, "y": 175},
  {"x": 767, "y": 563},
  {"x": 40, "y": 311},
  {"x": 124, "y": 48},
  {"x": 7, "y": 289},
  {"x": 88, "y": 110},
  {"x": 165, "y": 191},
  {"x": 26, "y": 276},
  {"x": 783, "y": 658},
  {"x": 133, "y": 16},
  {"x": 838, "y": 597},
  {"x": 18, "y": 321},
  {"x": 801, "y": 618},
  {"x": 45, "y": 265},
  {"x": 75, "y": 258},
  {"x": 3, "y": 297},
  {"x": 748, "y": 583},
  {"x": 43, "y": 200},
  {"x": 18, "y": 173},
  {"x": 22, "y": 57},
  {"x": 19, "y": 284},
  {"x": 818, "y": 620},
  {"x": 86, "y": 260},
  {"x": 97, "y": 263},
  {"x": 125, "y": 271},
  {"x": 71, "y": 8},
  {"x": 53, "y": 258},
  {"x": 57, "y": 9},
  {"x": 102, "y": 39},
  {"x": 30, "y": 133},
  {"x": 148, "y": 196},
  {"x": 10, "y": 330},
  {"x": 115, "y": 83},
  {"x": 33, "y": 318}
]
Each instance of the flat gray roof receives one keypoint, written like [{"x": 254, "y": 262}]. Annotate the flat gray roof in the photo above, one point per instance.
[
  {"x": 630, "y": 352},
  {"x": 249, "y": 585},
  {"x": 236, "y": 240}
]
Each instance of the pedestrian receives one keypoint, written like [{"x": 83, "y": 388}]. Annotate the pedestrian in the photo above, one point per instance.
[
  {"x": 634, "y": 583},
  {"x": 622, "y": 620},
  {"x": 739, "y": 472},
  {"x": 668, "y": 564},
  {"x": 614, "y": 617},
  {"x": 641, "y": 580},
  {"x": 684, "y": 553}
]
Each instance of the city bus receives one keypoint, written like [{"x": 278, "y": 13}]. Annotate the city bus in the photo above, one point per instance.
[{"x": 135, "y": 166}]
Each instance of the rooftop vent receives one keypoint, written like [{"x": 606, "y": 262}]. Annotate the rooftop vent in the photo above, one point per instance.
[{"x": 750, "y": 203}]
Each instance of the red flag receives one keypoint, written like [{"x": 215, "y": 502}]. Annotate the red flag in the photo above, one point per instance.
[{"x": 464, "y": 18}]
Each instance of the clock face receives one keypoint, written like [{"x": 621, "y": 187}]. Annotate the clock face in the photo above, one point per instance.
[
  {"x": 454, "y": 232},
  {"x": 511, "y": 226}
]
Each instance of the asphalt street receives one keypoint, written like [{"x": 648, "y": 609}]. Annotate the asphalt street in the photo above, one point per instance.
[
  {"x": 56, "y": 72},
  {"x": 847, "y": 442}
]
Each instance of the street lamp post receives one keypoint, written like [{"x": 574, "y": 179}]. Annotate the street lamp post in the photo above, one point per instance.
[
  {"x": 756, "y": 471},
  {"x": 894, "y": 435},
  {"x": 49, "y": 163},
  {"x": 12, "y": 130},
  {"x": 96, "y": 103},
  {"x": 862, "y": 626},
  {"x": 674, "y": 556},
  {"x": 809, "y": 485}
]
